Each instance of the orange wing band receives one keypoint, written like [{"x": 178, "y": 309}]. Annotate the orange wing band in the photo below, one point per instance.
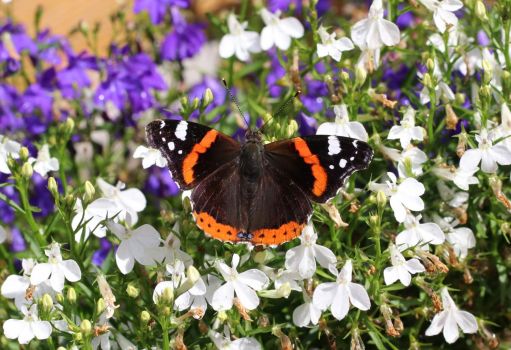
[
  {"x": 192, "y": 158},
  {"x": 211, "y": 227},
  {"x": 279, "y": 235},
  {"x": 319, "y": 173}
]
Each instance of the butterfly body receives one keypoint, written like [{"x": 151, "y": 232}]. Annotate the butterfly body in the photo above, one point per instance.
[{"x": 250, "y": 191}]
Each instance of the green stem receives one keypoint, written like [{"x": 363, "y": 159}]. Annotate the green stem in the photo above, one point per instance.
[
  {"x": 431, "y": 117},
  {"x": 166, "y": 340}
]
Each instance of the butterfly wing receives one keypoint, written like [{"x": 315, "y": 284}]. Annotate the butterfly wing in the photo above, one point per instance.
[
  {"x": 318, "y": 164},
  {"x": 193, "y": 151}
]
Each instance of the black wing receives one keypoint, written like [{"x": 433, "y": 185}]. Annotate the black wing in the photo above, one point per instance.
[
  {"x": 319, "y": 164},
  {"x": 193, "y": 151}
]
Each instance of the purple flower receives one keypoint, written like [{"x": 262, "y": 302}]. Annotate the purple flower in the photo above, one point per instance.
[
  {"x": 322, "y": 6},
  {"x": 276, "y": 73},
  {"x": 41, "y": 197},
  {"x": 100, "y": 255},
  {"x": 74, "y": 77},
  {"x": 7, "y": 214},
  {"x": 49, "y": 47},
  {"x": 307, "y": 125},
  {"x": 18, "y": 243},
  {"x": 9, "y": 101},
  {"x": 313, "y": 99},
  {"x": 157, "y": 9},
  {"x": 160, "y": 184},
  {"x": 184, "y": 41},
  {"x": 18, "y": 42},
  {"x": 482, "y": 38},
  {"x": 36, "y": 107},
  {"x": 405, "y": 20},
  {"x": 130, "y": 83}
]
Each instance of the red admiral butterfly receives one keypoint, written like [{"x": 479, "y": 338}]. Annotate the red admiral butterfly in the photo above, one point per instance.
[{"x": 250, "y": 191}]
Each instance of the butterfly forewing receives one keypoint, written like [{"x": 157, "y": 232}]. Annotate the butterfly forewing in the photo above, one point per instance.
[
  {"x": 193, "y": 151},
  {"x": 319, "y": 164}
]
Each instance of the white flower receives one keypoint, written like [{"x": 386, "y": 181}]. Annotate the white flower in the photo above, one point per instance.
[
  {"x": 416, "y": 233},
  {"x": 342, "y": 125},
  {"x": 195, "y": 298},
  {"x": 410, "y": 162},
  {"x": 302, "y": 259},
  {"x": 340, "y": 294},
  {"x": 3, "y": 234},
  {"x": 244, "y": 284},
  {"x": 225, "y": 343},
  {"x": 278, "y": 31},
  {"x": 331, "y": 46},
  {"x": 504, "y": 129},
  {"x": 461, "y": 238},
  {"x": 171, "y": 250},
  {"x": 29, "y": 327},
  {"x": 450, "y": 318},
  {"x": 487, "y": 154},
  {"x": 404, "y": 196},
  {"x": 443, "y": 15},
  {"x": 369, "y": 59},
  {"x": 150, "y": 157},
  {"x": 287, "y": 277},
  {"x": 375, "y": 32},
  {"x": 56, "y": 269},
  {"x": 462, "y": 177},
  {"x": 117, "y": 202},
  {"x": 238, "y": 42},
  {"x": 135, "y": 245},
  {"x": 44, "y": 162},
  {"x": 401, "y": 269},
  {"x": 442, "y": 91},
  {"x": 8, "y": 148},
  {"x": 454, "y": 199},
  {"x": 407, "y": 130},
  {"x": 307, "y": 313},
  {"x": 91, "y": 218},
  {"x": 101, "y": 341},
  {"x": 15, "y": 287},
  {"x": 161, "y": 288}
]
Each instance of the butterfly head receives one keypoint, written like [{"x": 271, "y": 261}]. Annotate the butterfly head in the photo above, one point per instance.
[{"x": 253, "y": 135}]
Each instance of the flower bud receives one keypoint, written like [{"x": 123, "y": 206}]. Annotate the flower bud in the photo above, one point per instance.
[
  {"x": 195, "y": 103},
  {"x": 222, "y": 316},
  {"x": 260, "y": 257},
  {"x": 71, "y": 295},
  {"x": 373, "y": 220},
  {"x": 208, "y": 97},
  {"x": 90, "y": 191},
  {"x": 145, "y": 317},
  {"x": 480, "y": 11},
  {"x": 292, "y": 128},
  {"x": 426, "y": 80},
  {"x": 360, "y": 75},
  {"x": 47, "y": 302},
  {"x": 451, "y": 119},
  {"x": 459, "y": 98},
  {"x": 487, "y": 72},
  {"x": 184, "y": 102},
  {"x": 345, "y": 76},
  {"x": 59, "y": 297},
  {"x": 166, "y": 311},
  {"x": 485, "y": 91},
  {"x": 69, "y": 126},
  {"x": 430, "y": 64},
  {"x": 85, "y": 327},
  {"x": 27, "y": 170},
  {"x": 167, "y": 296},
  {"x": 132, "y": 290},
  {"x": 52, "y": 187},
  {"x": 192, "y": 276},
  {"x": 101, "y": 305},
  {"x": 381, "y": 200},
  {"x": 24, "y": 154}
]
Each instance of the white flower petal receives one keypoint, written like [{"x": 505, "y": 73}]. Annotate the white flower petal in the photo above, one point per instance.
[
  {"x": 451, "y": 332},
  {"x": 358, "y": 296},
  {"x": 324, "y": 294},
  {"x": 13, "y": 328},
  {"x": 40, "y": 273},
  {"x": 248, "y": 297},
  {"x": 223, "y": 297},
  {"x": 125, "y": 261},
  {"x": 254, "y": 278},
  {"x": 340, "y": 303},
  {"x": 71, "y": 270},
  {"x": 437, "y": 324},
  {"x": 41, "y": 329},
  {"x": 466, "y": 321}
]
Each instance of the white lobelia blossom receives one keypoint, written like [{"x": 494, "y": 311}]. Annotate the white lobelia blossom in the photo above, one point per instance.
[
  {"x": 302, "y": 259},
  {"x": 461, "y": 238},
  {"x": 244, "y": 285},
  {"x": 462, "y": 177},
  {"x": 44, "y": 163},
  {"x": 331, "y": 46},
  {"x": 453, "y": 198},
  {"x": 337, "y": 296},
  {"x": 150, "y": 157},
  {"x": 442, "y": 91},
  {"x": 92, "y": 220},
  {"x": 171, "y": 250},
  {"x": 239, "y": 41},
  {"x": 3, "y": 234},
  {"x": 417, "y": 234},
  {"x": 283, "y": 277},
  {"x": 504, "y": 129},
  {"x": 404, "y": 196},
  {"x": 8, "y": 148},
  {"x": 488, "y": 154},
  {"x": 307, "y": 313},
  {"x": 198, "y": 297},
  {"x": 443, "y": 15},
  {"x": 56, "y": 269},
  {"x": 15, "y": 286},
  {"x": 28, "y": 328},
  {"x": 375, "y": 32},
  {"x": 117, "y": 202},
  {"x": 410, "y": 162},
  {"x": 224, "y": 342},
  {"x": 401, "y": 269},
  {"x": 279, "y": 31},
  {"x": 407, "y": 130},
  {"x": 342, "y": 125},
  {"x": 450, "y": 319},
  {"x": 101, "y": 339},
  {"x": 137, "y": 244}
]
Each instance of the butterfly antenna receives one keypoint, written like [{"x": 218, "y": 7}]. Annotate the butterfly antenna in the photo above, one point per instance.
[
  {"x": 281, "y": 108},
  {"x": 233, "y": 99}
]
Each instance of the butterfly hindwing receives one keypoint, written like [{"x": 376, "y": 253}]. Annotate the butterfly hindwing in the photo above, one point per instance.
[
  {"x": 193, "y": 151},
  {"x": 319, "y": 164}
]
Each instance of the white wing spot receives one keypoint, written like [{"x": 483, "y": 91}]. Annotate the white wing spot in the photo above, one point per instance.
[
  {"x": 354, "y": 143},
  {"x": 331, "y": 167},
  {"x": 162, "y": 124},
  {"x": 334, "y": 146},
  {"x": 171, "y": 145},
  {"x": 343, "y": 163},
  {"x": 164, "y": 139},
  {"x": 180, "y": 152},
  {"x": 351, "y": 158},
  {"x": 181, "y": 130}
]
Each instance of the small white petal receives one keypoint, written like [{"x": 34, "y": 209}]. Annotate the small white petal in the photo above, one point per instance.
[
  {"x": 223, "y": 297},
  {"x": 40, "y": 273},
  {"x": 358, "y": 296}
]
